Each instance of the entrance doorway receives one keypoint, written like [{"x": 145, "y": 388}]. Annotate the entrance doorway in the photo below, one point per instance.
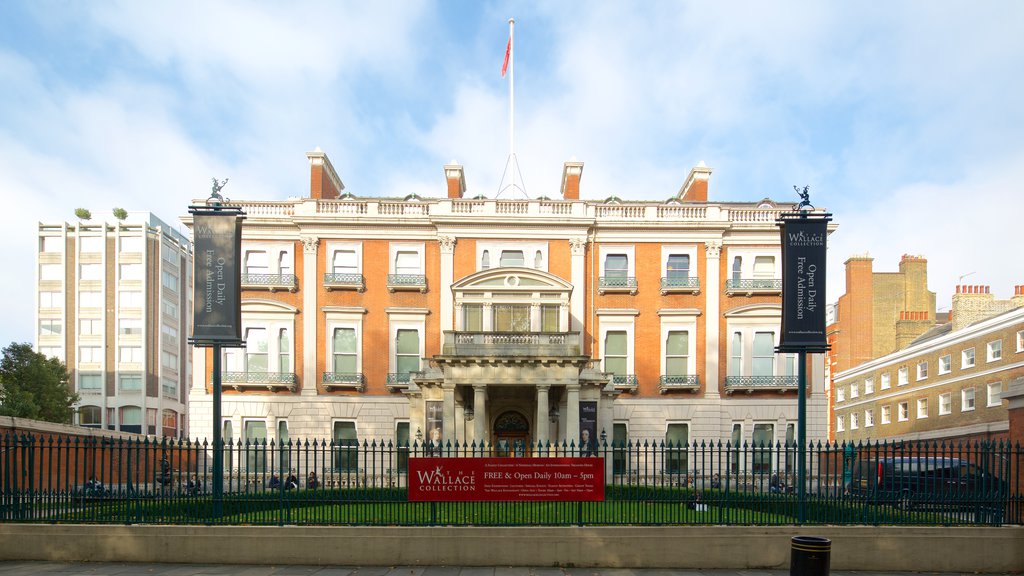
[{"x": 511, "y": 435}]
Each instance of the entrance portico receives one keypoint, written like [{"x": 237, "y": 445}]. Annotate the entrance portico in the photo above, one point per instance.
[{"x": 512, "y": 353}]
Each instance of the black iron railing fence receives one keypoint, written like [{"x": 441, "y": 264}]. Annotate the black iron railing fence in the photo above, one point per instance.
[{"x": 647, "y": 482}]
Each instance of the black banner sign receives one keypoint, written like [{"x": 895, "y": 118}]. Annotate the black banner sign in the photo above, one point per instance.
[
  {"x": 216, "y": 278},
  {"x": 803, "y": 283},
  {"x": 588, "y": 428}
]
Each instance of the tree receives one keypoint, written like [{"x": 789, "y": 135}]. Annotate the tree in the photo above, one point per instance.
[
  {"x": 34, "y": 386},
  {"x": 83, "y": 214},
  {"x": 120, "y": 213}
]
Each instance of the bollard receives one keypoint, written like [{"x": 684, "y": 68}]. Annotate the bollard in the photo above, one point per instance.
[{"x": 809, "y": 556}]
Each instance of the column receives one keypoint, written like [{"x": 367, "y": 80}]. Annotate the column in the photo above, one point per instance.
[
  {"x": 480, "y": 418},
  {"x": 447, "y": 244},
  {"x": 310, "y": 283},
  {"x": 712, "y": 337},
  {"x": 449, "y": 414},
  {"x": 543, "y": 428},
  {"x": 572, "y": 414},
  {"x": 578, "y": 249},
  {"x": 272, "y": 429}
]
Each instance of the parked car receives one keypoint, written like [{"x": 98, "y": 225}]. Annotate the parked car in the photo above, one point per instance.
[{"x": 928, "y": 483}]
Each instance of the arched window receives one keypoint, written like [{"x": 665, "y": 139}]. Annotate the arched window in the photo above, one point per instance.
[
  {"x": 90, "y": 417},
  {"x": 737, "y": 267},
  {"x": 485, "y": 260},
  {"x": 538, "y": 261},
  {"x": 131, "y": 419}
]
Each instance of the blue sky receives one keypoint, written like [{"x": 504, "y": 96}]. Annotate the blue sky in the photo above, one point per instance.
[{"x": 904, "y": 118}]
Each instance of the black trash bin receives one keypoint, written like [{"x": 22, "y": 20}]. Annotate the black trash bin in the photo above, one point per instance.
[{"x": 810, "y": 556}]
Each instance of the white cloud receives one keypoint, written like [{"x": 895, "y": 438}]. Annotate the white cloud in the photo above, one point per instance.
[{"x": 966, "y": 227}]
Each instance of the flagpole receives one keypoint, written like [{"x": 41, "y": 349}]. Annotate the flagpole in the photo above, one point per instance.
[{"x": 512, "y": 99}]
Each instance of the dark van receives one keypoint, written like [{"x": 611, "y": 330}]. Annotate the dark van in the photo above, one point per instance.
[{"x": 927, "y": 483}]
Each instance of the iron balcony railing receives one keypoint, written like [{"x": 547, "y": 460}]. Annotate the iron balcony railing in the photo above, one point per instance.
[
  {"x": 464, "y": 343},
  {"x": 400, "y": 380},
  {"x": 337, "y": 280},
  {"x": 343, "y": 380},
  {"x": 648, "y": 481},
  {"x": 670, "y": 284},
  {"x": 407, "y": 281},
  {"x": 624, "y": 381},
  {"x": 761, "y": 382},
  {"x": 616, "y": 283},
  {"x": 286, "y": 281},
  {"x": 691, "y": 383},
  {"x": 270, "y": 380},
  {"x": 753, "y": 284}
]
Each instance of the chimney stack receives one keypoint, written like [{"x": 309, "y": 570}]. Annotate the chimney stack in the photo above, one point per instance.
[
  {"x": 971, "y": 303},
  {"x": 456, "y": 178},
  {"x": 324, "y": 183},
  {"x": 572, "y": 172},
  {"x": 695, "y": 189}
]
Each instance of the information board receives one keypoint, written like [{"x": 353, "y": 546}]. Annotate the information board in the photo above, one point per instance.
[{"x": 506, "y": 479}]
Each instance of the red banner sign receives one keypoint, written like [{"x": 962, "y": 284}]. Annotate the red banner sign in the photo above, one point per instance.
[{"x": 506, "y": 479}]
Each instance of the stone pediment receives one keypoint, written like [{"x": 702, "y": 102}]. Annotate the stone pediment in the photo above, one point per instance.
[{"x": 511, "y": 279}]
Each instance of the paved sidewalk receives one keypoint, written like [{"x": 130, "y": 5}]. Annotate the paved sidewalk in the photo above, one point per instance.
[{"x": 109, "y": 569}]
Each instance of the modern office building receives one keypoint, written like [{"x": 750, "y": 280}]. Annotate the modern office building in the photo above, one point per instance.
[
  {"x": 114, "y": 303},
  {"x": 481, "y": 319},
  {"x": 945, "y": 385}
]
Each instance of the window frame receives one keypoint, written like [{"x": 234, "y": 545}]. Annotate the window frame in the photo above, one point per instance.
[
  {"x": 885, "y": 381},
  {"x": 748, "y": 258},
  {"x": 627, "y": 250},
  {"x": 922, "y": 370},
  {"x": 968, "y": 399},
  {"x": 494, "y": 250},
  {"x": 903, "y": 411},
  {"x": 886, "y": 414},
  {"x": 345, "y": 453},
  {"x": 100, "y": 384},
  {"x": 921, "y": 408},
  {"x": 902, "y": 376},
  {"x": 689, "y": 250},
  {"x": 419, "y": 328},
  {"x": 354, "y": 354},
  {"x": 676, "y": 457},
  {"x": 989, "y": 403},
  {"x": 618, "y": 324},
  {"x": 869, "y": 385},
  {"x": 131, "y": 376},
  {"x": 334, "y": 248},
  {"x": 994, "y": 350},
  {"x": 945, "y": 404},
  {"x": 945, "y": 364},
  {"x": 968, "y": 358},
  {"x": 679, "y": 324},
  {"x": 394, "y": 248}
]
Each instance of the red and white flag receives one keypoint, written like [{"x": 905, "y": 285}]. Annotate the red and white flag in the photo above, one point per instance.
[{"x": 508, "y": 51}]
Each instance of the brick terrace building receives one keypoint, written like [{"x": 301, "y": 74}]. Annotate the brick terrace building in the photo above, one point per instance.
[
  {"x": 947, "y": 384},
  {"x": 880, "y": 313},
  {"x": 485, "y": 320},
  {"x": 114, "y": 303}
]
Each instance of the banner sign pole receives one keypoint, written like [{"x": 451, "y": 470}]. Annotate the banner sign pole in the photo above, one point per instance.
[
  {"x": 217, "y": 302},
  {"x": 804, "y": 242}
]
